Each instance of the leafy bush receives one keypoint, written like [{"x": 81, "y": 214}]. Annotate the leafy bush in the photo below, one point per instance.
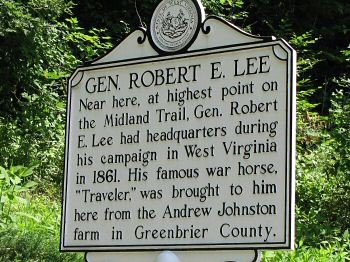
[
  {"x": 33, "y": 233},
  {"x": 36, "y": 138},
  {"x": 32, "y": 247},
  {"x": 338, "y": 250},
  {"x": 40, "y": 47},
  {"x": 29, "y": 225},
  {"x": 323, "y": 178},
  {"x": 13, "y": 183}
]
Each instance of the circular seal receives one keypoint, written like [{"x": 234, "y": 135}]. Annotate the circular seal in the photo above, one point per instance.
[{"x": 174, "y": 25}]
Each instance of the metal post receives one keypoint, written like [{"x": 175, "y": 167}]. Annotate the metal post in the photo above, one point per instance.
[
  {"x": 178, "y": 256},
  {"x": 167, "y": 256}
]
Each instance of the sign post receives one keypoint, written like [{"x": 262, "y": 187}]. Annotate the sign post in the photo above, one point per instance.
[{"x": 182, "y": 138}]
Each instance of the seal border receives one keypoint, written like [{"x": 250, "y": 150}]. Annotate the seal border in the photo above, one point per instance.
[{"x": 160, "y": 51}]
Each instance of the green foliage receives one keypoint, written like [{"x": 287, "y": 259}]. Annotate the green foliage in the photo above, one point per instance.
[
  {"x": 13, "y": 183},
  {"x": 33, "y": 234},
  {"x": 31, "y": 124},
  {"x": 36, "y": 49},
  {"x": 231, "y": 10},
  {"x": 40, "y": 47},
  {"x": 336, "y": 251},
  {"x": 36, "y": 137},
  {"x": 30, "y": 44},
  {"x": 323, "y": 195},
  {"x": 87, "y": 45},
  {"x": 339, "y": 133},
  {"x": 32, "y": 247}
]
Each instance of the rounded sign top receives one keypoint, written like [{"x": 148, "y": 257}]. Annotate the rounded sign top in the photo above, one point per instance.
[{"x": 174, "y": 25}]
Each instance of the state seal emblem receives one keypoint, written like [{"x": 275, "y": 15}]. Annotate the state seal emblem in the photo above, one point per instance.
[{"x": 175, "y": 24}]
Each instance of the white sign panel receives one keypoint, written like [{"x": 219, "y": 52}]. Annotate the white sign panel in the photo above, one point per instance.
[{"x": 188, "y": 151}]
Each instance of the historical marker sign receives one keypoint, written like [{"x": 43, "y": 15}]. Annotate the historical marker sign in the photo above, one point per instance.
[{"x": 191, "y": 149}]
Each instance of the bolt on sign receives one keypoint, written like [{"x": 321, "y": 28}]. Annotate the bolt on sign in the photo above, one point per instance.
[{"x": 182, "y": 138}]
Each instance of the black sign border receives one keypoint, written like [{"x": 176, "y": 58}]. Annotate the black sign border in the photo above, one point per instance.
[{"x": 287, "y": 244}]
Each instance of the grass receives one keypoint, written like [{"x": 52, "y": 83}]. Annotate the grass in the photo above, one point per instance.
[
  {"x": 32, "y": 234},
  {"x": 337, "y": 251}
]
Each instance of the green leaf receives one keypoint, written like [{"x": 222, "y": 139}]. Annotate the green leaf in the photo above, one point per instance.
[
  {"x": 28, "y": 171},
  {"x": 16, "y": 180},
  {"x": 3, "y": 173},
  {"x": 30, "y": 185},
  {"x": 28, "y": 216}
]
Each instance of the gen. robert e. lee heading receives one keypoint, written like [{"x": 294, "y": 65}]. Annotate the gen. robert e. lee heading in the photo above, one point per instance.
[{"x": 181, "y": 74}]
